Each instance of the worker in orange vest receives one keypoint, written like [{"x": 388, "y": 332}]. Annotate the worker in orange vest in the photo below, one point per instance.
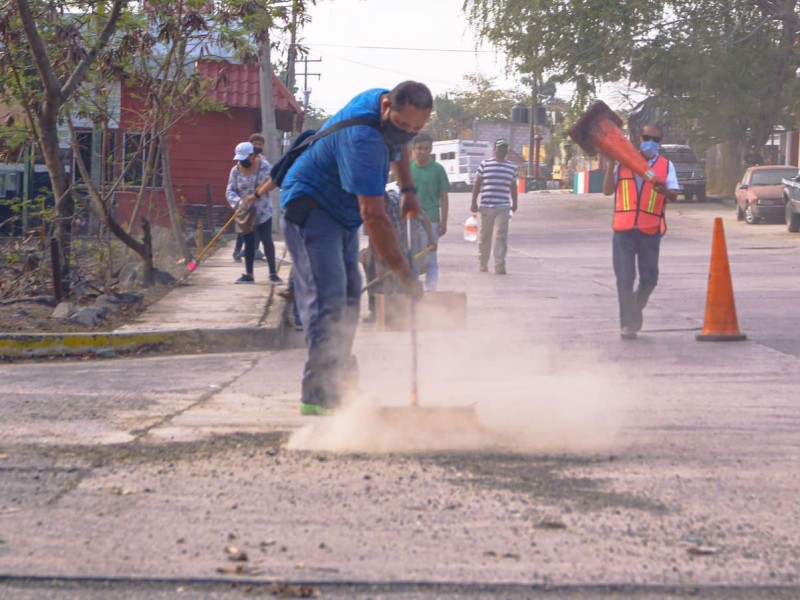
[{"x": 638, "y": 225}]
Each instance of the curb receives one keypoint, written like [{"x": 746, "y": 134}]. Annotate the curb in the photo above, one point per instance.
[
  {"x": 108, "y": 345},
  {"x": 270, "y": 335}
]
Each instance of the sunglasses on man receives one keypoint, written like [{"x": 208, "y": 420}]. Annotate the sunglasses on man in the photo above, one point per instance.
[{"x": 651, "y": 138}]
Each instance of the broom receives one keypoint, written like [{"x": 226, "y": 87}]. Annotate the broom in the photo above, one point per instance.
[{"x": 192, "y": 265}]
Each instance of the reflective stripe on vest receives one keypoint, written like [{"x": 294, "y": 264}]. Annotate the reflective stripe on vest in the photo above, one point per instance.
[{"x": 642, "y": 209}]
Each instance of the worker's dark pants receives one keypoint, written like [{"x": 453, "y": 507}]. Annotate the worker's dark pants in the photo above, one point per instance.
[
  {"x": 327, "y": 285},
  {"x": 249, "y": 240},
  {"x": 630, "y": 247},
  {"x": 263, "y": 235}
]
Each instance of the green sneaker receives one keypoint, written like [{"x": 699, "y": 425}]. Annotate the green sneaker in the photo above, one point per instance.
[{"x": 315, "y": 410}]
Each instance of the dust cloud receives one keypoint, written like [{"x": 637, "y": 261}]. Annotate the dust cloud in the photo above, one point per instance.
[{"x": 478, "y": 391}]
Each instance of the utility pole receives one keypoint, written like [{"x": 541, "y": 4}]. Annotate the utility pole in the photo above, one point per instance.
[
  {"x": 292, "y": 46},
  {"x": 306, "y": 75},
  {"x": 533, "y": 122}
]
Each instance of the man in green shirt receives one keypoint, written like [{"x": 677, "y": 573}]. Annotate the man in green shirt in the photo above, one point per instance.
[{"x": 432, "y": 185}]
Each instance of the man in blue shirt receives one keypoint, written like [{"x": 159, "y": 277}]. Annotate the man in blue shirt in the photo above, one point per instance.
[{"x": 329, "y": 191}]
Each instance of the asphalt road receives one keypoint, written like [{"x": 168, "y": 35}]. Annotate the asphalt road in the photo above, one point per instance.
[{"x": 596, "y": 467}]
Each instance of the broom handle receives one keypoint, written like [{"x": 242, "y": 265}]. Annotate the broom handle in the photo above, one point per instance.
[
  {"x": 413, "y": 326},
  {"x": 216, "y": 236}
]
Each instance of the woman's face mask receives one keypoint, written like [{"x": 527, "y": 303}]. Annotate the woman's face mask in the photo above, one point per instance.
[
  {"x": 649, "y": 148},
  {"x": 393, "y": 135},
  {"x": 245, "y": 163}
]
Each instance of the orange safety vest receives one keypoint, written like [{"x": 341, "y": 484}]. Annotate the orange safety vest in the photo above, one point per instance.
[{"x": 642, "y": 209}]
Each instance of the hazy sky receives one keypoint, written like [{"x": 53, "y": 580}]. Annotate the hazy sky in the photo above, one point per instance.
[{"x": 379, "y": 43}]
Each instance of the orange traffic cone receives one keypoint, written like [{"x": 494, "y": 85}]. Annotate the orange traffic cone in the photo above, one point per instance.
[
  {"x": 599, "y": 129},
  {"x": 720, "y": 324}
]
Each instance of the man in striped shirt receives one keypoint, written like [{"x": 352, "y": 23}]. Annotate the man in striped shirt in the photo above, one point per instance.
[{"x": 495, "y": 180}]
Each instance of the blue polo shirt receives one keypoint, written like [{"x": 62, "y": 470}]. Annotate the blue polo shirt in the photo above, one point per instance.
[{"x": 350, "y": 162}]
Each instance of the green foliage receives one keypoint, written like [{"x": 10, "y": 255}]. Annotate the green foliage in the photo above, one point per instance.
[
  {"x": 580, "y": 41},
  {"x": 314, "y": 117},
  {"x": 484, "y": 101},
  {"x": 450, "y": 117},
  {"x": 455, "y": 111},
  {"x": 723, "y": 69},
  {"x": 247, "y": 23}
]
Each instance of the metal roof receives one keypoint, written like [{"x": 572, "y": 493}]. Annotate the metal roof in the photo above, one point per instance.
[{"x": 237, "y": 86}]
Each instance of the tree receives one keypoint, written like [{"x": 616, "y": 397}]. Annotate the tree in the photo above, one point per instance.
[
  {"x": 450, "y": 117},
  {"x": 62, "y": 65},
  {"x": 723, "y": 69},
  {"x": 152, "y": 54},
  {"x": 481, "y": 98},
  {"x": 455, "y": 111},
  {"x": 160, "y": 74},
  {"x": 258, "y": 19},
  {"x": 32, "y": 30},
  {"x": 314, "y": 117}
]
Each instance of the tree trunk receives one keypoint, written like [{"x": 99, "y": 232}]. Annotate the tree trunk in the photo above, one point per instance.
[
  {"x": 723, "y": 168},
  {"x": 172, "y": 205},
  {"x": 268, "y": 126},
  {"x": 57, "y": 92},
  {"x": 149, "y": 273},
  {"x": 151, "y": 148},
  {"x": 64, "y": 203}
]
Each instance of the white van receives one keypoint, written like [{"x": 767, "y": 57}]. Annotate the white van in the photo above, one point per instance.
[{"x": 460, "y": 159}]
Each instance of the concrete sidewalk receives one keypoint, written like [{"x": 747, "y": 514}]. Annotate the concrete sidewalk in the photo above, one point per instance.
[{"x": 205, "y": 312}]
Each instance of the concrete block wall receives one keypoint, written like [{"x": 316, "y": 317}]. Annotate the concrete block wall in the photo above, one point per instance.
[{"x": 517, "y": 134}]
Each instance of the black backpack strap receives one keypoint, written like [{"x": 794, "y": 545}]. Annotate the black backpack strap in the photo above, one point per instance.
[
  {"x": 337, "y": 126},
  {"x": 281, "y": 167}
]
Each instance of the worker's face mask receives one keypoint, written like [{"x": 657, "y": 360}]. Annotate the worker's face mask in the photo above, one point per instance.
[
  {"x": 649, "y": 149},
  {"x": 393, "y": 135}
]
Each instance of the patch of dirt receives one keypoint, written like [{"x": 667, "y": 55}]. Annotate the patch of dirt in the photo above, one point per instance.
[
  {"x": 32, "y": 316},
  {"x": 27, "y": 299}
]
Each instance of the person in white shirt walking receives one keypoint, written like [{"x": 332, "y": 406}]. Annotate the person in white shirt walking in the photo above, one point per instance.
[{"x": 495, "y": 181}]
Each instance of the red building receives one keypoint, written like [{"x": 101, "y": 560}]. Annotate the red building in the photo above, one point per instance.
[{"x": 201, "y": 145}]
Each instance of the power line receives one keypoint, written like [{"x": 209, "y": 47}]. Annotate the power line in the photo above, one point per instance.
[
  {"x": 383, "y": 69},
  {"x": 405, "y": 49}
]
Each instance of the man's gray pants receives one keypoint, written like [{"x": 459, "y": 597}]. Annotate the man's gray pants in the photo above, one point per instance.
[{"x": 494, "y": 223}]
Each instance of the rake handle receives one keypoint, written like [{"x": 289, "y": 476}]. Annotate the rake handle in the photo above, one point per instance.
[{"x": 216, "y": 236}]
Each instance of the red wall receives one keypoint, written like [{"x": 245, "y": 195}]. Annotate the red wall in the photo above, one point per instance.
[{"x": 201, "y": 152}]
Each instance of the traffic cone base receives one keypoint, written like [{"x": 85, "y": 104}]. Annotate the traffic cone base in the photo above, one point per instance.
[
  {"x": 737, "y": 337},
  {"x": 720, "y": 323}
]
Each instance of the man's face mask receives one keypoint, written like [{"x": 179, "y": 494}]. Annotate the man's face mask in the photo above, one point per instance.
[
  {"x": 257, "y": 150},
  {"x": 245, "y": 163},
  {"x": 649, "y": 149},
  {"x": 501, "y": 153},
  {"x": 393, "y": 135}
]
